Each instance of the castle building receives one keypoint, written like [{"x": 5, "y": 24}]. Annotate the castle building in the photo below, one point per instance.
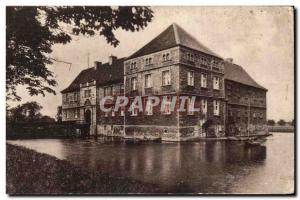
[{"x": 173, "y": 64}]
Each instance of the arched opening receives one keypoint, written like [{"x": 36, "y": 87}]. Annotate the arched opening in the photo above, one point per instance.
[
  {"x": 88, "y": 117},
  {"x": 88, "y": 120}
]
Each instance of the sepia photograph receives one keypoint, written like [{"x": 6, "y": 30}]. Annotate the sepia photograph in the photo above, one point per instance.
[{"x": 150, "y": 100}]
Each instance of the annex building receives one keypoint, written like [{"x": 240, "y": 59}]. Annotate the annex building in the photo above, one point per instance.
[{"x": 172, "y": 64}]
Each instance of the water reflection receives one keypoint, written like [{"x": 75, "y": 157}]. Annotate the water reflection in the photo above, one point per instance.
[{"x": 205, "y": 167}]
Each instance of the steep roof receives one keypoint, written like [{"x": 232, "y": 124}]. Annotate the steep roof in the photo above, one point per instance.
[
  {"x": 173, "y": 36},
  {"x": 236, "y": 73},
  {"x": 104, "y": 74}
]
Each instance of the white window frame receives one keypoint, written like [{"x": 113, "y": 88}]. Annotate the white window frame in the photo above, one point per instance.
[
  {"x": 76, "y": 114},
  {"x": 148, "y": 81},
  {"x": 133, "y": 86},
  {"x": 166, "y": 79},
  {"x": 204, "y": 80},
  {"x": 167, "y": 108},
  {"x": 204, "y": 105},
  {"x": 216, "y": 104},
  {"x": 191, "y": 78},
  {"x": 216, "y": 82}
]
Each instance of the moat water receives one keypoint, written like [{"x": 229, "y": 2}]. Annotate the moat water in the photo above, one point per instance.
[{"x": 197, "y": 167}]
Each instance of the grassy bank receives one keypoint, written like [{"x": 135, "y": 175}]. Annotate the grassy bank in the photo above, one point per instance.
[{"x": 29, "y": 172}]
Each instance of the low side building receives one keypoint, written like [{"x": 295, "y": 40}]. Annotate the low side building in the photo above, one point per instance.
[
  {"x": 246, "y": 102},
  {"x": 81, "y": 98}
]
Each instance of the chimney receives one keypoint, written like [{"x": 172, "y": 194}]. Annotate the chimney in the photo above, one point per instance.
[
  {"x": 97, "y": 64},
  {"x": 112, "y": 59},
  {"x": 229, "y": 60}
]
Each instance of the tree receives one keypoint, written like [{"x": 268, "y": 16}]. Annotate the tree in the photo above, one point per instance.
[
  {"x": 46, "y": 118},
  {"x": 281, "y": 122},
  {"x": 29, "y": 111},
  {"x": 59, "y": 114},
  {"x": 32, "y": 31},
  {"x": 271, "y": 122}
]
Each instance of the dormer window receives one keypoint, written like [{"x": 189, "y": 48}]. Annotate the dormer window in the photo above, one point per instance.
[{"x": 166, "y": 57}]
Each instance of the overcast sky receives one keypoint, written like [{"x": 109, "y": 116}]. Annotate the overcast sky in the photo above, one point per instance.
[{"x": 258, "y": 38}]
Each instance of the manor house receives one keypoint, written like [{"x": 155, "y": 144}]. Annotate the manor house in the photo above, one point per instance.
[{"x": 174, "y": 63}]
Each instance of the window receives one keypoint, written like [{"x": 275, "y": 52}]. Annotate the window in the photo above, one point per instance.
[
  {"x": 121, "y": 88},
  {"x": 149, "y": 107},
  {"x": 113, "y": 90},
  {"x": 148, "y": 81},
  {"x": 190, "y": 107},
  {"x": 166, "y": 79},
  {"x": 107, "y": 91},
  {"x": 133, "y": 83},
  {"x": 203, "y": 80},
  {"x": 76, "y": 114},
  {"x": 204, "y": 105},
  {"x": 65, "y": 98},
  {"x": 216, "y": 84},
  {"x": 134, "y": 112},
  {"x": 166, "y": 57},
  {"x": 216, "y": 107},
  {"x": 71, "y": 98},
  {"x": 188, "y": 56},
  {"x": 261, "y": 115},
  {"x": 75, "y": 97},
  {"x": 67, "y": 114},
  {"x": 167, "y": 108},
  {"x": 192, "y": 57},
  {"x": 133, "y": 65},
  {"x": 191, "y": 78},
  {"x": 87, "y": 93},
  {"x": 148, "y": 61}
]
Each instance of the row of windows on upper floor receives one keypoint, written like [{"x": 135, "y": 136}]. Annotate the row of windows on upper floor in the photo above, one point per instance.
[
  {"x": 188, "y": 56},
  {"x": 109, "y": 90},
  {"x": 166, "y": 80},
  {"x": 75, "y": 97},
  {"x": 71, "y": 113},
  {"x": 149, "y": 60}
]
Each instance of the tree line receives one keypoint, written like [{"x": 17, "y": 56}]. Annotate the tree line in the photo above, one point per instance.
[{"x": 280, "y": 122}]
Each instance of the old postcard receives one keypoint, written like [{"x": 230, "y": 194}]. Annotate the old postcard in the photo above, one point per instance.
[{"x": 131, "y": 100}]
